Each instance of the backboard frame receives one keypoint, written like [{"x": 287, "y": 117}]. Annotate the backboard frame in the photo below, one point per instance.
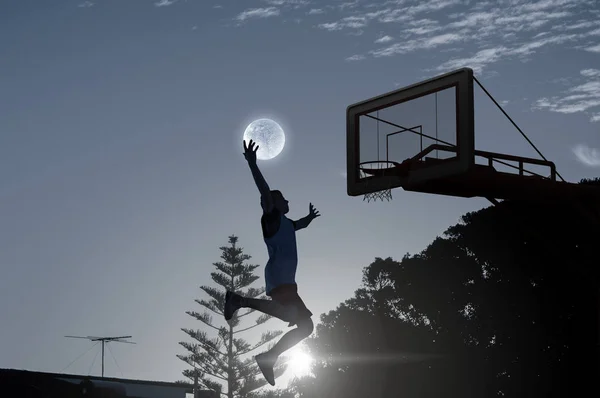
[{"x": 462, "y": 80}]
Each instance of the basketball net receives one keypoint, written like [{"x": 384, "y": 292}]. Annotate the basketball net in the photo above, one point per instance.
[
  {"x": 378, "y": 195},
  {"x": 376, "y": 167}
]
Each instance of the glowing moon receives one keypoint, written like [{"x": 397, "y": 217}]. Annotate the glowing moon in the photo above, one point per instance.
[{"x": 268, "y": 135}]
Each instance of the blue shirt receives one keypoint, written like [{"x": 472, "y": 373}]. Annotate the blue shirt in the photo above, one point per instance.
[{"x": 283, "y": 254}]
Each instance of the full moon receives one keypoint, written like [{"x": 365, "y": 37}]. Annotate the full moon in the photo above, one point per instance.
[{"x": 269, "y": 137}]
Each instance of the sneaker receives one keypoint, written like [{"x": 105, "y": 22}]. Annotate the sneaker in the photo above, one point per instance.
[
  {"x": 232, "y": 304},
  {"x": 266, "y": 363}
]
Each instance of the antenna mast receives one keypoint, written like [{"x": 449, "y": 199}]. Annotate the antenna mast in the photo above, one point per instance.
[{"x": 104, "y": 340}]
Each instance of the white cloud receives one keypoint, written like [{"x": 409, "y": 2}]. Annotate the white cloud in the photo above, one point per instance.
[
  {"x": 529, "y": 21},
  {"x": 590, "y": 72},
  {"x": 594, "y": 49},
  {"x": 579, "y": 98},
  {"x": 546, "y": 4},
  {"x": 356, "y": 32},
  {"x": 285, "y": 2},
  {"x": 431, "y": 5},
  {"x": 575, "y": 25},
  {"x": 258, "y": 13},
  {"x": 418, "y": 44},
  {"x": 294, "y": 4},
  {"x": 477, "y": 62},
  {"x": 487, "y": 56},
  {"x": 352, "y": 22},
  {"x": 493, "y": 30},
  {"x": 384, "y": 39},
  {"x": 586, "y": 155},
  {"x": 164, "y": 3},
  {"x": 518, "y": 28},
  {"x": 348, "y": 5},
  {"x": 530, "y": 47},
  {"x": 421, "y": 30},
  {"x": 331, "y": 26},
  {"x": 86, "y": 4},
  {"x": 393, "y": 15},
  {"x": 356, "y": 57}
]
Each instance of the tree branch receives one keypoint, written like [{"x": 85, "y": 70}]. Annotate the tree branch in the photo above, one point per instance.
[
  {"x": 243, "y": 330},
  {"x": 214, "y": 375}
]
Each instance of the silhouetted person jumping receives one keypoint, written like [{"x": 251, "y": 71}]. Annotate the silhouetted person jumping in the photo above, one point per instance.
[{"x": 279, "y": 233}]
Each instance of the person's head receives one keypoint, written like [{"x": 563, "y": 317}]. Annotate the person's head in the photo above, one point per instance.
[{"x": 279, "y": 202}]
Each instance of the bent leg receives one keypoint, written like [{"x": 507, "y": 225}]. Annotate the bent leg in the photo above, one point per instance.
[
  {"x": 266, "y": 361},
  {"x": 270, "y": 307},
  {"x": 293, "y": 337}
]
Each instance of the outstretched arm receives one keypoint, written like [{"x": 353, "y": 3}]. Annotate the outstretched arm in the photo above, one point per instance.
[
  {"x": 305, "y": 221},
  {"x": 261, "y": 184}
]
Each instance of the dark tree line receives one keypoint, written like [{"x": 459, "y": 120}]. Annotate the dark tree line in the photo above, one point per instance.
[{"x": 505, "y": 303}]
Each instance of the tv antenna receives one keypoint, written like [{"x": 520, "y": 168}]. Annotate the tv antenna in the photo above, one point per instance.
[{"x": 104, "y": 340}]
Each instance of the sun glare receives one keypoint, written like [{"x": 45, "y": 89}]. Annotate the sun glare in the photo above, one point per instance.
[{"x": 299, "y": 362}]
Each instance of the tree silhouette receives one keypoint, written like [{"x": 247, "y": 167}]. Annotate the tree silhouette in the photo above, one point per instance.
[
  {"x": 225, "y": 360},
  {"x": 505, "y": 303}
]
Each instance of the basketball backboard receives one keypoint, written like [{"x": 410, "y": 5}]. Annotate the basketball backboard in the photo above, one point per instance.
[{"x": 406, "y": 124}]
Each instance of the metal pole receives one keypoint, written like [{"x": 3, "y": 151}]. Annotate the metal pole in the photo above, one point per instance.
[{"x": 103, "y": 358}]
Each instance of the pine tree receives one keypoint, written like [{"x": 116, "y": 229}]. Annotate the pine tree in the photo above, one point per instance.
[{"x": 226, "y": 361}]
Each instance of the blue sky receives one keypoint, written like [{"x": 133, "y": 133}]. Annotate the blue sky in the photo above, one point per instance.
[{"x": 121, "y": 156}]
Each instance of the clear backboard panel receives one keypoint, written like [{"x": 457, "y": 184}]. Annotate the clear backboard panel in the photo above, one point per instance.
[{"x": 429, "y": 124}]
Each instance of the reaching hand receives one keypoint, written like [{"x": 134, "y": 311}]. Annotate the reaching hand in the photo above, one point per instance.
[
  {"x": 250, "y": 152},
  {"x": 312, "y": 212}
]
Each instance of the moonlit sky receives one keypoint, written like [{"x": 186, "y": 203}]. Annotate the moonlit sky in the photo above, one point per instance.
[{"x": 121, "y": 156}]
